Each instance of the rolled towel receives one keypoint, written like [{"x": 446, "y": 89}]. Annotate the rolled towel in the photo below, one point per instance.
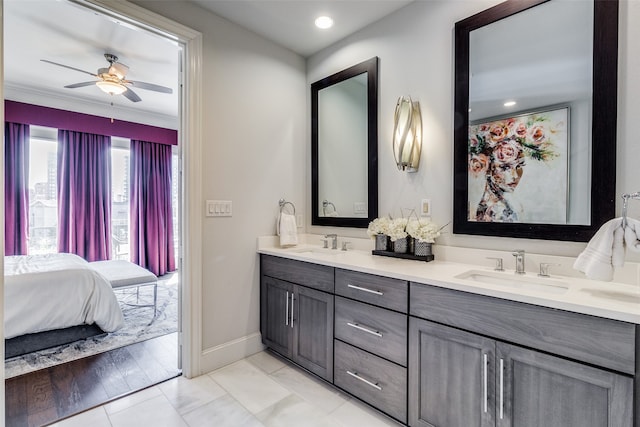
[
  {"x": 287, "y": 230},
  {"x": 604, "y": 251}
]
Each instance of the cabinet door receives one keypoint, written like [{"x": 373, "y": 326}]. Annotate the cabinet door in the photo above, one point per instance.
[
  {"x": 451, "y": 377},
  {"x": 275, "y": 315},
  {"x": 542, "y": 390},
  {"x": 313, "y": 331}
]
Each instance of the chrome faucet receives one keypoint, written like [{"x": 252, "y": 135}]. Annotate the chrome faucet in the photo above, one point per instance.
[
  {"x": 519, "y": 254},
  {"x": 334, "y": 241}
]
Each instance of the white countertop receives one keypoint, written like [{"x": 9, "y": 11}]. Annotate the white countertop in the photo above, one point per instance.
[{"x": 610, "y": 300}]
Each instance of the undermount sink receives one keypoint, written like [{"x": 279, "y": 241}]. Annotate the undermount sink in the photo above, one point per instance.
[
  {"x": 632, "y": 297},
  {"x": 315, "y": 250},
  {"x": 533, "y": 283}
]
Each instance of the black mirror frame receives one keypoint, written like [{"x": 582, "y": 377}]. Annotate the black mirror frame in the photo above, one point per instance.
[
  {"x": 371, "y": 68},
  {"x": 603, "y": 140}
]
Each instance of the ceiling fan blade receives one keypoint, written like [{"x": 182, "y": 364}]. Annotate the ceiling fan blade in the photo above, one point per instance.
[
  {"x": 131, "y": 95},
  {"x": 149, "y": 86},
  {"x": 83, "y": 84},
  {"x": 71, "y": 68}
]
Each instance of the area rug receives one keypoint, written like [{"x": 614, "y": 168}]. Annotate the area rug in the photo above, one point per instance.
[{"x": 140, "y": 325}]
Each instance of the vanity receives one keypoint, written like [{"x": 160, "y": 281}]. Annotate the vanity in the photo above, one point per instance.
[{"x": 437, "y": 344}]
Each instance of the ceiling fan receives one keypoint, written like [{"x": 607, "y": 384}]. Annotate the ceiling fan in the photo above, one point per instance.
[{"x": 112, "y": 79}]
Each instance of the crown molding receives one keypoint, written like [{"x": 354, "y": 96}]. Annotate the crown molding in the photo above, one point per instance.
[{"x": 78, "y": 104}]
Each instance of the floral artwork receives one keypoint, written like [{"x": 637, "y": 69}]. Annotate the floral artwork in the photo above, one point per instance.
[{"x": 518, "y": 169}]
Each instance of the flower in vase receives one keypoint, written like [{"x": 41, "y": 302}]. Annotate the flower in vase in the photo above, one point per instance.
[
  {"x": 423, "y": 230},
  {"x": 379, "y": 226},
  {"x": 398, "y": 228}
]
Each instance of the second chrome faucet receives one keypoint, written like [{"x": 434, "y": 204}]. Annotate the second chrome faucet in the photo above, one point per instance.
[{"x": 334, "y": 240}]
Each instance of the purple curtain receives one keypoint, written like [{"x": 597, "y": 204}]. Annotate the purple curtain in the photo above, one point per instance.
[
  {"x": 16, "y": 188},
  {"x": 84, "y": 194},
  {"x": 151, "y": 238}
]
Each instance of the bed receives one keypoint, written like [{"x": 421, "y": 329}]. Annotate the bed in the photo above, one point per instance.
[{"x": 56, "y": 292}]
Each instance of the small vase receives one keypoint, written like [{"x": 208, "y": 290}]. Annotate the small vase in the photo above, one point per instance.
[
  {"x": 382, "y": 242},
  {"x": 401, "y": 245},
  {"x": 422, "y": 248}
]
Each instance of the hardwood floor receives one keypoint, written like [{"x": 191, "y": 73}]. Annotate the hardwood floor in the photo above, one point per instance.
[{"x": 46, "y": 396}]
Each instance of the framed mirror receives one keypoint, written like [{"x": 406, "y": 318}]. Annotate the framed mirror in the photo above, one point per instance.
[
  {"x": 535, "y": 119},
  {"x": 344, "y": 147}
]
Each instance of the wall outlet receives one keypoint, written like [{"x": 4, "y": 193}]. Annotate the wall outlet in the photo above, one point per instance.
[
  {"x": 299, "y": 220},
  {"x": 425, "y": 208}
]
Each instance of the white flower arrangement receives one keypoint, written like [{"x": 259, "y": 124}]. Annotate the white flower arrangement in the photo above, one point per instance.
[
  {"x": 398, "y": 229},
  {"x": 423, "y": 231},
  {"x": 379, "y": 226}
]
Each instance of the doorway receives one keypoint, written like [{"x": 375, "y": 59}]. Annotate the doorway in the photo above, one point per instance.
[{"x": 189, "y": 260}]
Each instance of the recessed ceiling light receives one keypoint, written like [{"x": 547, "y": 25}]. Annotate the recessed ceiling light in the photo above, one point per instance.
[
  {"x": 510, "y": 103},
  {"x": 324, "y": 22}
]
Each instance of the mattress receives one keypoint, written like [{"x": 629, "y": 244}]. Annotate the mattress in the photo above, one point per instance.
[{"x": 55, "y": 291}]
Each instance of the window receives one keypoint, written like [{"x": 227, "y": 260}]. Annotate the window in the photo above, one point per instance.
[
  {"x": 43, "y": 204},
  {"x": 119, "y": 198}
]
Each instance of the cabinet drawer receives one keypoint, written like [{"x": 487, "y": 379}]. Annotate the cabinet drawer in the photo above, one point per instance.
[
  {"x": 376, "y": 381},
  {"x": 381, "y": 291},
  {"x": 314, "y": 276},
  {"x": 595, "y": 340},
  {"x": 379, "y": 331}
]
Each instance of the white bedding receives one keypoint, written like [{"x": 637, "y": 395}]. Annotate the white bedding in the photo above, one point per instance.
[{"x": 53, "y": 291}]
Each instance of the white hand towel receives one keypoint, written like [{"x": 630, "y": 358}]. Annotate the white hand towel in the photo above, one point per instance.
[
  {"x": 287, "y": 230},
  {"x": 604, "y": 251}
]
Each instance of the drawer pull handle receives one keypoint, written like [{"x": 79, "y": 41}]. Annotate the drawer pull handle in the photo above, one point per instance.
[
  {"x": 360, "y": 288},
  {"x": 291, "y": 310},
  {"x": 286, "y": 311},
  {"x": 485, "y": 384},
  {"x": 501, "y": 388},
  {"x": 367, "y": 330},
  {"x": 355, "y": 375}
]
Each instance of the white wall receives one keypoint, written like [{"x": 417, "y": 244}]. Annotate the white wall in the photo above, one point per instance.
[
  {"x": 254, "y": 153},
  {"x": 415, "y": 47},
  {"x": 257, "y": 145}
]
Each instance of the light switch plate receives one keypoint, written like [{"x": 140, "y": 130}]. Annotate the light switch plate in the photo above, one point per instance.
[{"x": 218, "y": 208}]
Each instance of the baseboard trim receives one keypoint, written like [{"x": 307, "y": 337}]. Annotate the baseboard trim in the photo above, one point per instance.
[{"x": 221, "y": 355}]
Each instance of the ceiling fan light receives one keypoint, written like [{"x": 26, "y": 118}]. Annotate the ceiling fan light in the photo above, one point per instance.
[{"x": 112, "y": 88}]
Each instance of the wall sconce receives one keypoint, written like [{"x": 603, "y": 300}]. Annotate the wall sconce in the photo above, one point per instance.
[{"x": 407, "y": 134}]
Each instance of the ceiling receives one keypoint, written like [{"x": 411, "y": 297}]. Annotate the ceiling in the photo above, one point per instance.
[
  {"x": 65, "y": 33},
  {"x": 290, "y": 23}
]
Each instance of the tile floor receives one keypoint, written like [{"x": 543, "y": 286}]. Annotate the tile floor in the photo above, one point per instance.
[{"x": 259, "y": 391}]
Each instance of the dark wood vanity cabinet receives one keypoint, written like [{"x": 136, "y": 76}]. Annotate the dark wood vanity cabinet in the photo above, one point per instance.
[
  {"x": 296, "y": 319},
  {"x": 462, "y": 378},
  {"x": 435, "y": 357},
  {"x": 451, "y": 381}
]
